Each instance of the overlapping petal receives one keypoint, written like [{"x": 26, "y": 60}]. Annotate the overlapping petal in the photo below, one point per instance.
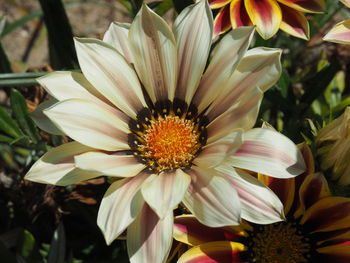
[
  {"x": 346, "y": 2},
  {"x": 222, "y": 22},
  {"x": 308, "y": 6},
  {"x": 340, "y": 33},
  {"x": 238, "y": 14},
  {"x": 294, "y": 23},
  {"x": 218, "y": 3}
]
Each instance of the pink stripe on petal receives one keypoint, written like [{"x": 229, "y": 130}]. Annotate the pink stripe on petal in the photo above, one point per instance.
[
  {"x": 294, "y": 23},
  {"x": 222, "y": 22},
  {"x": 311, "y": 6},
  {"x": 238, "y": 14}
]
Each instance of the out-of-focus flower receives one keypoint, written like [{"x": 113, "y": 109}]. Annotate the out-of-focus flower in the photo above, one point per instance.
[
  {"x": 147, "y": 109},
  {"x": 267, "y": 15},
  {"x": 340, "y": 33},
  {"x": 334, "y": 148},
  {"x": 316, "y": 228}
]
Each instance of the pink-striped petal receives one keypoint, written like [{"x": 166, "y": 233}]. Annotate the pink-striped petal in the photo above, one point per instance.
[
  {"x": 165, "y": 191},
  {"x": 268, "y": 152},
  {"x": 118, "y": 165},
  {"x": 149, "y": 238},
  {"x": 90, "y": 124},
  {"x": 259, "y": 204},
  {"x": 153, "y": 48},
  {"x": 218, "y": 3},
  {"x": 215, "y": 252},
  {"x": 294, "y": 23},
  {"x": 222, "y": 22},
  {"x": 346, "y": 2},
  {"x": 193, "y": 30},
  {"x": 340, "y": 33},
  {"x": 212, "y": 199},
  {"x": 238, "y": 14},
  {"x": 188, "y": 230},
  {"x": 306, "y": 6},
  {"x": 57, "y": 166},
  {"x": 120, "y": 206},
  {"x": 266, "y": 15}
]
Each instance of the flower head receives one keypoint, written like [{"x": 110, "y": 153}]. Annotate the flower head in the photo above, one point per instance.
[
  {"x": 316, "y": 228},
  {"x": 267, "y": 15},
  {"x": 148, "y": 112}
]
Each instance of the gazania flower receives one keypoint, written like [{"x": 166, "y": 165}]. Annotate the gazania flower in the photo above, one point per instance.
[
  {"x": 147, "y": 112},
  {"x": 267, "y": 15},
  {"x": 340, "y": 33},
  {"x": 316, "y": 228},
  {"x": 334, "y": 148}
]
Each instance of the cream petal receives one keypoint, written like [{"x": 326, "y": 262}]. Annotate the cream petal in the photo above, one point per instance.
[
  {"x": 149, "y": 238},
  {"x": 117, "y": 37},
  {"x": 242, "y": 115},
  {"x": 90, "y": 124},
  {"x": 154, "y": 51},
  {"x": 120, "y": 206},
  {"x": 165, "y": 191},
  {"x": 42, "y": 121},
  {"x": 270, "y": 153},
  {"x": 119, "y": 165},
  {"x": 215, "y": 153},
  {"x": 340, "y": 33},
  {"x": 260, "y": 67},
  {"x": 260, "y": 205},
  {"x": 212, "y": 199},
  {"x": 226, "y": 57},
  {"x": 110, "y": 74},
  {"x": 57, "y": 166},
  {"x": 193, "y": 30}
]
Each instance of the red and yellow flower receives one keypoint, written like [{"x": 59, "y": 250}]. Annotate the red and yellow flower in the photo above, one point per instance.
[
  {"x": 317, "y": 228},
  {"x": 267, "y": 15}
]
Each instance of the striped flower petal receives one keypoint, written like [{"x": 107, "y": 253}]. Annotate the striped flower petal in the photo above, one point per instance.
[
  {"x": 119, "y": 165},
  {"x": 193, "y": 30},
  {"x": 336, "y": 254},
  {"x": 238, "y": 14},
  {"x": 90, "y": 124},
  {"x": 222, "y": 22},
  {"x": 340, "y": 33},
  {"x": 218, "y": 3},
  {"x": 214, "y": 252},
  {"x": 117, "y": 36},
  {"x": 108, "y": 71},
  {"x": 266, "y": 15},
  {"x": 212, "y": 198},
  {"x": 294, "y": 23},
  {"x": 153, "y": 47},
  {"x": 149, "y": 238},
  {"x": 346, "y": 2},
  {"x": 268, "y": 152},
  {"x": 165, "y": 191},
  {"x": 120, "y": 206},
  {"x": 57, "y": 166},
  {"x": 307, "y": 6},
  {"x": 188, "y": 230}
]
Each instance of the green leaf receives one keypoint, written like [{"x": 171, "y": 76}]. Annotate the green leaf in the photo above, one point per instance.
[
  {"x": 163, "y": 7},
  {"x": 26, "y": 245},
  {"x": 20, "y": 111},
  {"x": 8, "y": 125},
  {"x": 58, "y": 246}
]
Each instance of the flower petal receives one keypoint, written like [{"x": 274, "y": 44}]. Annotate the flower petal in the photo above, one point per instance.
[
  {"x": 328, "y": 214},
  {"x": 346, "y": 2},
  {"x": 154, "y": 51},
  {"x": 120, "y": 165},
  {"x": 212, "y": 198},
  {"x": 109, "y": 72},
  {"x": 193, "y": 30},
  {"x": 120, "y": 206},
  {"x": 117, "y": 37},
  {"x": 241, "y": 115},
  {"x": 238, "y": 14},
  {"x": 42, "y": 121},
  {"x": 259, "y": 204},
  {"x": 306, "y": 6},
  {"x": 294, "y": 23},
  {"x": 222, "y": 22},
  {"x": 214, "y": 252},
  {"x": 336, "y": 254},
  {"x": 166, "y": 191},
  {"x": 340, "y": 33},
  {"x": 266, "y": 15},
  {"x": 57, "y": 166},
  {"x": 259, "y": 68},
  {"x": 269, "y": 152},
  {"x": 215, "y": 153},
  {"x": 149, "y": 238},
  {"x": 218, "y": 3},
  {"x": 188, "y": 230},
  {"x": 90, "y": 124},
  {"x": 226, "y": 57}
]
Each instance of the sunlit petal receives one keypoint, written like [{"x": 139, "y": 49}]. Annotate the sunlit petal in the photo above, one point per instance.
[{"x": 340, "y": 33}]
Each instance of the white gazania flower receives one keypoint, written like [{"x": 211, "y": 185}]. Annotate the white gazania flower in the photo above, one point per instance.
[{"x": 146, "y": 108}]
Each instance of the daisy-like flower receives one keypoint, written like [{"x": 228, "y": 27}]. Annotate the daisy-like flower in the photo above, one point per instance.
[
  {"x": 316, "y": 228},
  {"x": 146, "y": 109},
  {"x": 340, "y": 33},
  {"x": 267, "y": 15}
]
